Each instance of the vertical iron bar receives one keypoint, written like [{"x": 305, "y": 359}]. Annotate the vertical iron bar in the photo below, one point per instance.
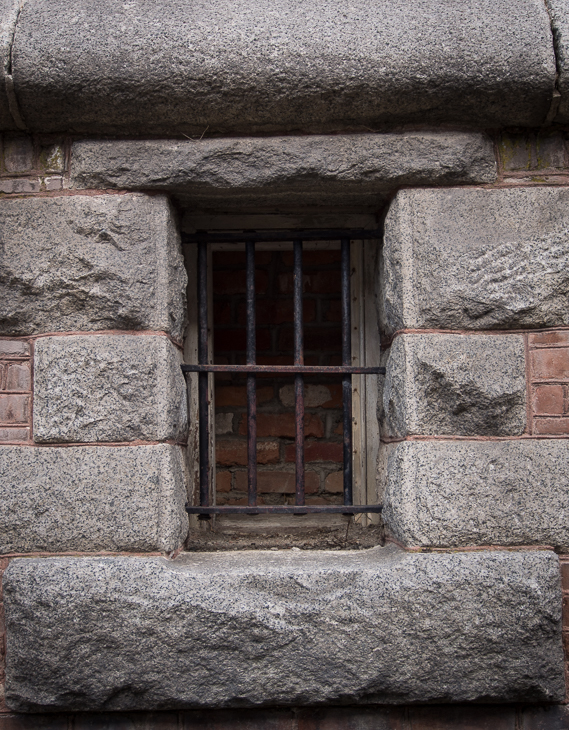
[
  {"x": 347, "y": 379},
  {"x": 203, "y": 389},
  {"x": 251, "y": 379},
  {"x": 299, "y": 379}
]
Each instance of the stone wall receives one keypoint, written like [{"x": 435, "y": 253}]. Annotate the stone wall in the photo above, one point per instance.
[{"x": 123, "y": 126}]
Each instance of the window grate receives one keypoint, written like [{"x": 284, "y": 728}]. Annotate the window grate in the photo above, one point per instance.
[{"x": 299, "y": 369}]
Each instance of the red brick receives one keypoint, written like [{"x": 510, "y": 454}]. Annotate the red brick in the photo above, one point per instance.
[
  {"x": 236, "y": 395},
  {"x": 564, "y": 565},
  {"x": 319, "y": 282},
  {"x": 542, "y": 717},
  {"x": 49, "y": 722},
  {"x": 222, "y": 259},
  {"x": 231, "y": 339},
  {"x": 14, "y": 408},
  {"x": 18, "y": 376},
  {"x": 315, "y": 338},
  {"x": 221, "y": 312},
  {"x": 317, "y": 451},
  {"x": 14, "y": 348},
  {"x": 462, "y": 717},
  {"x": 278, "y": 311},
  {"x": 334, "y": 482},
  {"x": 223, "y": 499},
  {"x": 317, "y": 500},
  {"x": 282, "y": 425},
  {"x": 234, "y": 452},
  {"x": 550, "y": 364},
  {"x": 352, "y": 718},
  {"x": 314, "y": 395},
  {"x": 565, "y": 637},
  {"x": 13, "y": 434},
  {"x": 257, "y": 719},
  {"x": 549, "y": 338},
  {"x": 548, "y": 399},
  {"x": 223, "y": 481},
  {"x": 566, "y": 612},
  {"x": 551, "y": 426},
  {"x": 233, "y": 282},
  {"x": 278, "y": 482},
  {"x": 334, "y": 311},
  {"x": 313, "y": 258}
]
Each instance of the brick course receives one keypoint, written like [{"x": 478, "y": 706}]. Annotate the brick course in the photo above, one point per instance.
[
  {"x": 15, "y": 390},
  {"x": 548, "y": 373}
]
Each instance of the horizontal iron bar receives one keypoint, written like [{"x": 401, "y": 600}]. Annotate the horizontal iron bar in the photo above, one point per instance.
[
  {"x": 281, "y": 509},
  {"x": 285, "y": 369},
  {"x": 334, "y": 234}
]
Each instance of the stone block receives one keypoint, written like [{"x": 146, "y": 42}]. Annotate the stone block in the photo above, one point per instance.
[
  {"x": 559, "y": 13},
  {"x": 460, "y": 493},
  {"x": 91, "y": 263},
  {"x": 108, "y": 388},
  {"x": 311, "y": 168},
  {"x": 85, "y": 67},
  {"x": 9, "y": 10},
  {"x": 462, "y": 385},
  {"x": 92, "y": 498},
  {"x": 282, "y": 628},
  {"x": 476, "y": 259}
]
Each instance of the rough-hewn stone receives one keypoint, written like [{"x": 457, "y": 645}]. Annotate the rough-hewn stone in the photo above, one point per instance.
[
  {"x": 282, "y": 628},
  {"x": 465, "y": 385},
  {"x": 476, "y": 259},
  {"x": 90, "y": 263},
  {"x": 457, "y": 493},
  {"x": 559, "y": 12},
  {"x": 204, "y": 67},
  {"x": 9, "y": 10},
  {"x": 307, "y": 169},
  {"x": 92, "y": 498},
  {"x": 108, "y": 388}
]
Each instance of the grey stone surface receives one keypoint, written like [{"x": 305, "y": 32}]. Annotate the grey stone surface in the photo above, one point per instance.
[
  {"x": 9, "y": 10},
  {"x": 559, "y": 12},
  {"x": 464, "y": 385},
  {"x": 309, "y": 168},
  {"x": 92, "y": 498},
  {"x": 206, "y": 67},
  {"x": 282, "y": 628},
  {"x": 108, "y": 388},
  {"x": 464, "y": 258},
  {"x": 90, "y": 263},
  {"x": 458, "y": 493}
]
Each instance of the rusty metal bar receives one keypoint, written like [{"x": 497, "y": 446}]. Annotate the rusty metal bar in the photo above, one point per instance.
[
  {"x": 299, "y": 378},
  {"x": 203, "y": 386},
  {"x": 251, "y": 377},
  {"x": 285, "y": 509},
  {"x": 330, "y": 234},
  {"x": 346, "y": 361},
  {"x": 284, "y": 369},
  {"x": 298, "y": 369}
]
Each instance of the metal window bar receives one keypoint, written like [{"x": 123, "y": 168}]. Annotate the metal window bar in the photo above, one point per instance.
[{"x": 299, "y": 369}]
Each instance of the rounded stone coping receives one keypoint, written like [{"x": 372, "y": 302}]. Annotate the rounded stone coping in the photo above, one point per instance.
[{"x": 187, "y": 67}]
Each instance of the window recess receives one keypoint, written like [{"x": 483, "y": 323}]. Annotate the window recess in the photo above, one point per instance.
[{"x": 353, "y": 376}]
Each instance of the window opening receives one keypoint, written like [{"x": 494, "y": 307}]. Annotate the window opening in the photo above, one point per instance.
[{"x": 298, "y": 369}]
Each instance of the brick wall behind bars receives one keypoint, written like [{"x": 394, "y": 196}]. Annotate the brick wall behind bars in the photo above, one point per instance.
[{"x": 275, "y": 395}]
